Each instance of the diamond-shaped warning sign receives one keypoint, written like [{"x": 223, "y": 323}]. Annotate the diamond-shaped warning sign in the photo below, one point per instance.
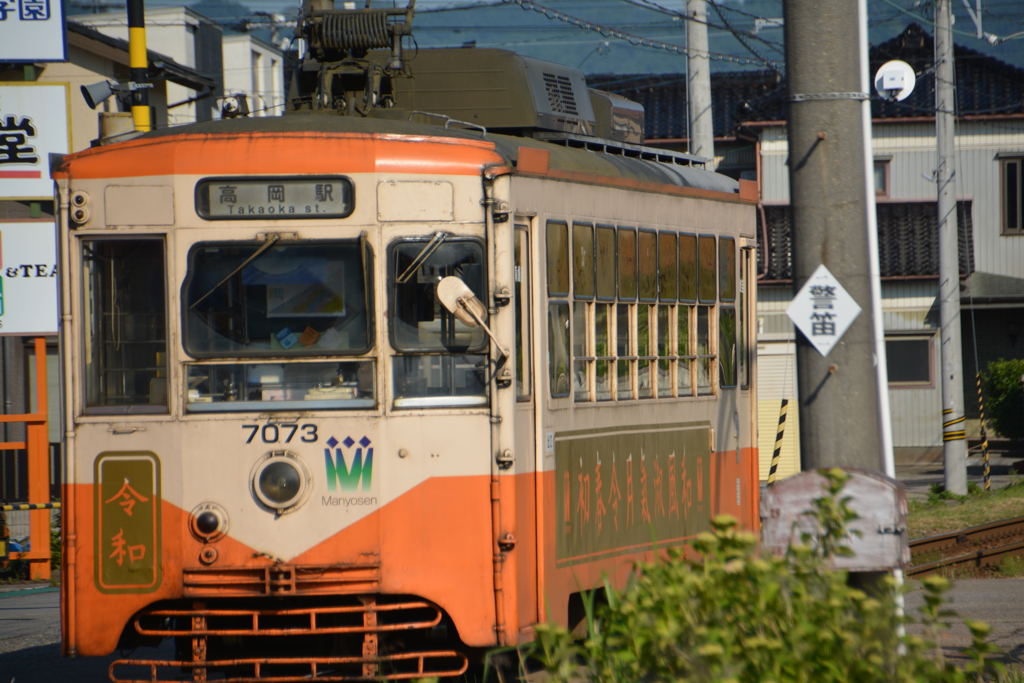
[{"x": 823, "y": 310}]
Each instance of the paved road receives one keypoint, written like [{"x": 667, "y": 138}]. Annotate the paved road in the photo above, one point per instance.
[
  {"x": 921, "y": 475},
  {"x": 30, "y": 643},
  {"x": 998, "y": 602},
  {"x": 30, "y": 631}
]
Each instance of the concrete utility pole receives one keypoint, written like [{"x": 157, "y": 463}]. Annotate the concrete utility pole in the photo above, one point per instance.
[
  {"x": 698, "y": 73},
  {"x": 839, "y": 418},
  {"x": 954, "y": 445}
]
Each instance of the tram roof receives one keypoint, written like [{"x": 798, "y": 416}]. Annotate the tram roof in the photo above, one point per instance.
[{"x": 620, "y": 161}]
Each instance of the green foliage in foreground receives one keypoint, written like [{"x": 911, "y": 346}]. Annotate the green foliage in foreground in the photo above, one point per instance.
[
  {"x": 55, "y": 540},
  {"x": 1004, "y": 396},
  {"x": 736, "y": 616}
]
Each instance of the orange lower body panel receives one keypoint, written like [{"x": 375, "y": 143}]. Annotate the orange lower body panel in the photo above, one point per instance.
[
  {"x": 419, "y": 552},
  {"x": 435, "y": 542}
]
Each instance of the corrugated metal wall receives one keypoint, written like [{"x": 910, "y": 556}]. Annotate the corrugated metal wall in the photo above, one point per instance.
[
  {"x": 910, "y": 307},
  {"x": 776, "y": 379},
  {"x": 910, "y": 148}
]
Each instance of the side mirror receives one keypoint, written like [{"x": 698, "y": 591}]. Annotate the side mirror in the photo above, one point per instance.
[{"x": 458, "y": 298}]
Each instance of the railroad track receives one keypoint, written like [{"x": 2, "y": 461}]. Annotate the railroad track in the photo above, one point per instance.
[{"x": 981, "y": 546}]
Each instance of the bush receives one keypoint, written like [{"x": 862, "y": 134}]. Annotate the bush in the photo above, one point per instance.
[
  {"x": 1004, "y": 397},
  {"x": 735, "y": 616},
  {"x": 55, "y": 540}
]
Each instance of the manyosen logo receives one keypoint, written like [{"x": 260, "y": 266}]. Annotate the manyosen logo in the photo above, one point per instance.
[{"x": 349, "y": 472}]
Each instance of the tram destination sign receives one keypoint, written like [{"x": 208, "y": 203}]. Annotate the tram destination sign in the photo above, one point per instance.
[
  {"x": 274, "y": 198},
  {"x": 823, "y": 310}
]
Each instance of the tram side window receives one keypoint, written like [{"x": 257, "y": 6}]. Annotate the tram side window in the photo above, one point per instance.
[
  {"x": 668, "y": 281},
  {"x": 706, "y": 272},
  {"x": 686, "y": 343},
  {"x": 705, "y": 356},
  {"x": 742, "y": 311},
  {"x": 126, "y": 326},
  {"x": 523, "y": 308},
  {"x": 604, "y": 313},
  {"x": 646, "y": 314},
  {"x": 707, "y": 293},
  {"x": 450, "y": 364},
  {"x": 624, "y": 330},
  {"x": 559, "y": 337},
  {"x": 727, "y": 320},
  {"x": 583, "y": 294}
]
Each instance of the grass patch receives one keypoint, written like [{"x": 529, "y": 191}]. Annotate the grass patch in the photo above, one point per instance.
[
  {"x": 1012, "y": 566},
  {"x": 944, "y": 511}
]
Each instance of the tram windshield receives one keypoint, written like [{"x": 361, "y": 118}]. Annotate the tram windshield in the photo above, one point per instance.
[
  {"x": 251, "y": 300},
  {"x": 286, "y": 301},
  {"x": 455, "y": 373}
]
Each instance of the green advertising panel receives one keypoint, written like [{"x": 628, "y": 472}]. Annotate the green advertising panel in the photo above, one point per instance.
[
  {"x": 127, "y": 522},
  {"x": 625, "y": 488}
]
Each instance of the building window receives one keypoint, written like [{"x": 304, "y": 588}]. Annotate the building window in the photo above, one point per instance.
[
  {"x": 1012, "y": 186},
  {"x": 881, "y": 175},
  {"x": 909, "y": 361}
]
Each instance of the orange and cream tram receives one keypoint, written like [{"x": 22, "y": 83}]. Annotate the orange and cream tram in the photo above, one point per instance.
[{"x": 365, "y": 389}]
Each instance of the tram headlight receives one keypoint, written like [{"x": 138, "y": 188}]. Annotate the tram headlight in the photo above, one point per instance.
[
  {"x": 208, "y": 522},
  {"x": 281, "y": 481},
  {"x": 80, "y": 207}
]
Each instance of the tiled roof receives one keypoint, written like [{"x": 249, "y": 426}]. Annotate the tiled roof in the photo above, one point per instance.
[
  {"x": 908, "y": 240},
  {"x": 985, "y": 86}
]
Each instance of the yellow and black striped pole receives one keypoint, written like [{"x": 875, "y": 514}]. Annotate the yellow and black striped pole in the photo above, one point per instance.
[
  {"x": 950, "y": 430},
  {"x": 984, "y": 438},
  {"x": 30, "y": 506},
  {"x": 138, "y": 62},
  {"x": 776, "y": 456}
]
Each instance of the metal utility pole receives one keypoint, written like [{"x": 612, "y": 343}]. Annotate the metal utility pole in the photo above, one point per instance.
[
  {"x": 698, "y": 74},
  {"x": 839, "y": 417},
  {"x": 954, "y": 445}
]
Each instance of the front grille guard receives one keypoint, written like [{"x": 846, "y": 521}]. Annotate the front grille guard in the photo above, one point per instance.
[
  {"x": 309, "y": 621},
  {"x": 440, "y": 664}
]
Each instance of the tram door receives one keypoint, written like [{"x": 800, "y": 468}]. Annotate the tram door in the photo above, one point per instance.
[{"x": 525, "y": 426}]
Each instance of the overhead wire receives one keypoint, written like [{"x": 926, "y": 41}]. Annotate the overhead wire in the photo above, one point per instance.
[
  {"x": 650, "y": 4},
  {"x": 636, "y": 41},
  {"x": 931, "y": 23},
  {"x": 735, "y": 33}
]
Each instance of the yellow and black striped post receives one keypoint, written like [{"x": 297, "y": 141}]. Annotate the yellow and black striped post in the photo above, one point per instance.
[
  {"x": 30, "y": 506},
  {"x": 950, "y": 431},
  {"x": 138, "y": 62},
  {"x": 776, "y": 456},
  {"x": 986, "y": 471}
]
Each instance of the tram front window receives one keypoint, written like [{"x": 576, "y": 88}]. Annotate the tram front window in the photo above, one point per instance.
[
  {"x": 306, "y": 299},
  {"x": 443, "y": 361},
  {"x": 239, "y": 387},
  {"x": 244, "y": 301}
]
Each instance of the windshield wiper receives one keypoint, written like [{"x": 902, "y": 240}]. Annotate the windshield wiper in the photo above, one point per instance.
[
  {"x": 424, "y": 254},
  {"x": 271, "y": 239}
]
